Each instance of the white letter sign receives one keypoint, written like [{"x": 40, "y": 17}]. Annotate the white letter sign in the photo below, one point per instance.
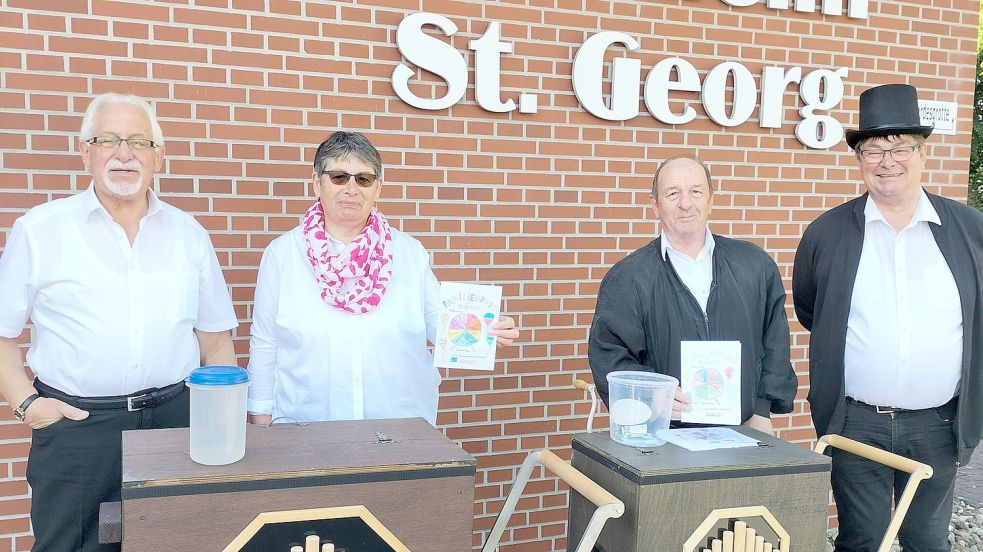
[
  {"x": 588, "y": 68},
  {"x": 658, "y": 85},
  {"x": 821, "y": 89},
  {"x": 488, "y": 70},
  {"x": 808, "y": 129},
  {"x": 431, "y": 54},
  {"x": 715, "y": 88}
]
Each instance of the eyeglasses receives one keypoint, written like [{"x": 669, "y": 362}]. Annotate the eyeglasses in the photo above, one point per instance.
[
  {"x": 902, "y": 153},
  {"x": 340, "y": 178},
  {"x": 113, "y": 142}
]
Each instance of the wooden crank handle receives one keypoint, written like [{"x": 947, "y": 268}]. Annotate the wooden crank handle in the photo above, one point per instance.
[
  {"x": 577, "y": 480},
  {"x": 872, "y": 453}
]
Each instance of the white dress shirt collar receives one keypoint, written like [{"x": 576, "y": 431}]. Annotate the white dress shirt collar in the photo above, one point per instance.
[
  {"x": 924, "y": 212},
  {"x": 696, "y": 274},
  {"x": 704, "y": 253},
  {"x": 91, "y": 203}
]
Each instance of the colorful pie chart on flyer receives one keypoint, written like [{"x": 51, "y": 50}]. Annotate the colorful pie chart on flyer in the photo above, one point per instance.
[
  {"x": 464, "y": 330},
  {"x": 467, "y": 313}
]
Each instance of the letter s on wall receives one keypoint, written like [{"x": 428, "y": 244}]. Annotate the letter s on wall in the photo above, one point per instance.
[{"x": 431, "y": 54}]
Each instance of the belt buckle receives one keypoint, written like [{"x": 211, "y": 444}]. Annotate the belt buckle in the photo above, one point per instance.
[
  {"x": 139, "y": 402},
  {"x": 884, "y": 409}
]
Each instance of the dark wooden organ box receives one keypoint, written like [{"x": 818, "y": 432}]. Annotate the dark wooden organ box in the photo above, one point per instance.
[
  {"x": 417, "y": 483},
  {"x": 669, "y": 491}
]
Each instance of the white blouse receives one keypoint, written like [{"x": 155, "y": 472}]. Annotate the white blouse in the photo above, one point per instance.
[{"x": 309, "y": 361}]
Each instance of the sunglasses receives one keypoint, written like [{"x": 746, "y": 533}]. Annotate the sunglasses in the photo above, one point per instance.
[{"x": 340, "y": 178}]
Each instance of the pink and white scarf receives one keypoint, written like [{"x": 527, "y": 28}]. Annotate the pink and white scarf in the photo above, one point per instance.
[{"x": 355, "y": 279}]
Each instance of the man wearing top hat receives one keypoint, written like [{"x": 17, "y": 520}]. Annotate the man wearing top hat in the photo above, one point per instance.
[{"x": 888, "y": 284}]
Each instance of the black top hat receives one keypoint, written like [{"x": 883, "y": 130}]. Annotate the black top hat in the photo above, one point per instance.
[{"x": 888, "y": 110}]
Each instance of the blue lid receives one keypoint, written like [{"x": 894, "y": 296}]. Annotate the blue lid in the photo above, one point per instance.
[{"x": 218, "y": 375}]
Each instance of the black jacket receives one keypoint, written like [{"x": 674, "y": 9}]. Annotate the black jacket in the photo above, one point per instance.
[
  {"x": 644, "y": 311},
  {"x": 825, "y": 270}
]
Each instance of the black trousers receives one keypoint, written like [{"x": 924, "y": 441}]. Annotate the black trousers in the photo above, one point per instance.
[
  {"x": 75, "y": 466},
  {"x": 863, "y": 489}
]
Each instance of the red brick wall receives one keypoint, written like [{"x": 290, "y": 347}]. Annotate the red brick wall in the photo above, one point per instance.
[{"x": 542, "y": 204}]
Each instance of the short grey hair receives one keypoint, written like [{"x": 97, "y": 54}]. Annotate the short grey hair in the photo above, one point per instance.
[
  {"x": 706, "y": 169},
  {"x": 918, "y": 138},
  {"x": 343, "y": 144},
  {"x": 110, "y": 98}
]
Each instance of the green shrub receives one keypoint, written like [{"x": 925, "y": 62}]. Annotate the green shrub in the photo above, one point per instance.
[{"x": 976, "y": 149}]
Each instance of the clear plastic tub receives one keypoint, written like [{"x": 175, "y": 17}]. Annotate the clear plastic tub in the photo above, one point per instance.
[
  {"x": 640, "y": 406},
  {"x": 218, "y": 414}
]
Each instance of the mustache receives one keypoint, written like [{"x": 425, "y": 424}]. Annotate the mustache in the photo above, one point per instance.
[{"x": 114, "y": 165}]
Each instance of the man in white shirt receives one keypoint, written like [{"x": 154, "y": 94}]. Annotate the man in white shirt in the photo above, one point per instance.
[
  {"x": 691, "y": 285},
  {"x": 127, "y": 297},
  {"x": 888, "y": 285}
]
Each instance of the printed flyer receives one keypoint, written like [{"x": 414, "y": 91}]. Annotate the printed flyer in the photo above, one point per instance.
[
  {"x": 711, "y": 375},
  {"x": 707, "y": 438},
  {"x": 466, "y": 314}
]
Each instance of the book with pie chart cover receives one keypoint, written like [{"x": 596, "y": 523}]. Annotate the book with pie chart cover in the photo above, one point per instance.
[{"x": 467, "y": 312}]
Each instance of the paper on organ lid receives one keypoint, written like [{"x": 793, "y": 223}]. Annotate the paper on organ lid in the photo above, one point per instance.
[{"x": 628, "y": 412}]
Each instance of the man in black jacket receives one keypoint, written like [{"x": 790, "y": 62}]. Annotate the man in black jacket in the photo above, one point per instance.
[
  {"x": 888, "y": 284},
  {"x": 691, "y": 285}
]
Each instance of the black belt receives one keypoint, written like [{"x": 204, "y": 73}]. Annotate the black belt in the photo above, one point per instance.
[
  {"x": 147, "y": 398},
  {"x": 894, "y": 410}
]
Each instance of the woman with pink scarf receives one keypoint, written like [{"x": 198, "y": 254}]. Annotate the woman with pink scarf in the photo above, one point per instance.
[{"x": 345, "y": 306}]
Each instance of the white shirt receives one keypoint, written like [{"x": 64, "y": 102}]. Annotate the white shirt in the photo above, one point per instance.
[
  {"x": 111, "y": 318},
  {"x": 904, "y": 334},
  {"x": 309, "y": 361},
  {"x": 696, "y": 274}
]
